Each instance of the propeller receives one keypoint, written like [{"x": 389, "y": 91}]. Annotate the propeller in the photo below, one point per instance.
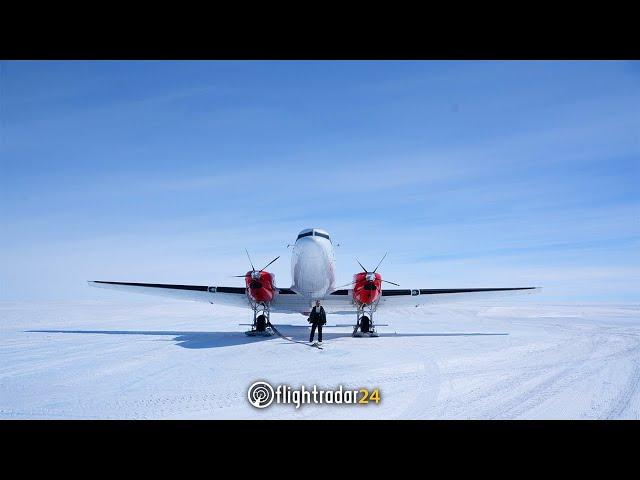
[
  {"x": 383, "y": 257},
  {"x": 374, "y": 271},
  {"x": 253, "y": 269}
]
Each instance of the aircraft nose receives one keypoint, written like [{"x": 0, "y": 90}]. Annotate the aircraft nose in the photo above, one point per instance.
[{"x": 310, "y": 247}]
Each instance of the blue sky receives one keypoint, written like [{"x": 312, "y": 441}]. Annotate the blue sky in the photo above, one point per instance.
[{"x": 468, "y": 173}]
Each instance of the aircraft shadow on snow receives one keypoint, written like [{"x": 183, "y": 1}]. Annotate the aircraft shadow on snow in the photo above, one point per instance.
[{"x": 227, "y": 339}]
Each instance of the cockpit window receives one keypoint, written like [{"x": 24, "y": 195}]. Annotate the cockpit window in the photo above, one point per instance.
[
  {"x": 323, "y": 235},
  {"x": 313, "y": 232}
]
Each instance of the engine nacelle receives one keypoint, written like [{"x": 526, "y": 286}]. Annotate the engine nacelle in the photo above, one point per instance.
[
  {"x": 261, "y": 286},
  {"x": 366, "y": 287}
]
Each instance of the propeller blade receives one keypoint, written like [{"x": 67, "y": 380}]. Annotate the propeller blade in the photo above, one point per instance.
[
  {"x": 376, "y": 269},
  {"x": 397, "y": 285},
  {"x": 365, "y": 270},
  {"x": 252, "y": 267},
  {"x": 346, "y": 285},
  {"x": 238, "y": 276},
  {"x": 270, "y": 263}
]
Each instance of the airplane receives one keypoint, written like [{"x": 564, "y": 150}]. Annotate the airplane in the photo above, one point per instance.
[{"x": 313, "y": 273}]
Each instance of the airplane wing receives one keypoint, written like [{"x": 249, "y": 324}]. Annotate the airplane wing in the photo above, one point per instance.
[
  {"x": 341, "y": 301},
  {"x": 427, "y": 296},
  {"x": 235, "y": 296},
  {"x": 284, "y": 301},
  {"x": 287, "y": 301}
]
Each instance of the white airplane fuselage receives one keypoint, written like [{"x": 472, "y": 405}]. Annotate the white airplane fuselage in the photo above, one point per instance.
[{"x": 313, "y": 264}]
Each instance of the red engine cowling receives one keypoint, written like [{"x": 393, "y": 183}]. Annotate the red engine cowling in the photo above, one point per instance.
[
  {"x": 260, "y": 285},
  {"x": 366, "y": 287}
]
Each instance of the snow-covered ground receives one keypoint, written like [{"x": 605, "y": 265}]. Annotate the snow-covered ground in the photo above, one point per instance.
[{"x": 187, "y": 360}]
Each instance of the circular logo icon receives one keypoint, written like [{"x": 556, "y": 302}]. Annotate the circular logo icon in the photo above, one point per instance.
[{"x": 260, "y": 394}]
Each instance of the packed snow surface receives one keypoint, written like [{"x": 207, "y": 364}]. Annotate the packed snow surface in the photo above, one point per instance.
[{"x": 186, "y": 360}]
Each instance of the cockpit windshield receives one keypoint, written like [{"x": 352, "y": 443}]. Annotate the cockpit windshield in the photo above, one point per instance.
[{"x": 315, "y": 233}]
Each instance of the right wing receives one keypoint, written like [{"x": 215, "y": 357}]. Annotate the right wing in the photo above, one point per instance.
[
  {"x": 284, "y": 301},
  {"x": 341, "y": 301},
  {"x": 235, "y": 296}
]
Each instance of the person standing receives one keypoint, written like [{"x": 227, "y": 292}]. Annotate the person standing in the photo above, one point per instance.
[{"x": 317, "y": 318}]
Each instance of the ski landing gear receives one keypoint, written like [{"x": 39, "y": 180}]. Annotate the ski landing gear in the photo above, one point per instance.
[
  {"x": 364, "y": 326},
  {"x": 260, "y": 327}
]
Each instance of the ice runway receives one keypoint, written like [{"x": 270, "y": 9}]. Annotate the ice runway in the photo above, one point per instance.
[{"x": 187, "y": 360}]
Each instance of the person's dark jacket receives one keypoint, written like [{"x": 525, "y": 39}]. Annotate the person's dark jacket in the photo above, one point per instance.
[{"x": 319, "y": 318}]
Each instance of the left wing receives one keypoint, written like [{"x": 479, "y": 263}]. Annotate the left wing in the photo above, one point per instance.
[
  {"x": 422, "y": 296},
  {"x": 341, "y": 301}
]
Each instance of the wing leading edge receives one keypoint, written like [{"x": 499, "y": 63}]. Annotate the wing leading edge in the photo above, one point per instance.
[
  {"x": 287, "y": 301},
  {"x": 421, "y": 296}
]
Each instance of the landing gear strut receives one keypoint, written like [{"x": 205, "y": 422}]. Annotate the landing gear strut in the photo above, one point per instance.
[
  {"x": 364, "y": 325},
  {"x": 260, "y": 326}
]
